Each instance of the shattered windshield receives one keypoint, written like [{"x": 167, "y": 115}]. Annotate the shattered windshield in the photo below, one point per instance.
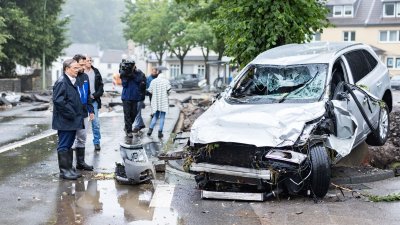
[{"x": 272, "y": 84}]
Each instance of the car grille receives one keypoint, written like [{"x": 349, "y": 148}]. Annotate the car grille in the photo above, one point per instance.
[{"x": 232, "y": 154}]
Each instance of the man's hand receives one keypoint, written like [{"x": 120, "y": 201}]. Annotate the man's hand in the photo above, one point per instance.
[{"x": 91, "y": 116}]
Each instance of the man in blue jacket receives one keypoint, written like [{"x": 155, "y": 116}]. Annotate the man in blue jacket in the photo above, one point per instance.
[
  {"x": 131, "y": 78},
  {"x": 67, "y": 117},
  {"x": 82, "y": 81}
]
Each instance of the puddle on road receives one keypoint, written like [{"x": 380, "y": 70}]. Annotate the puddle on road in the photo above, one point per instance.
[{"x": 107, "y": 202}]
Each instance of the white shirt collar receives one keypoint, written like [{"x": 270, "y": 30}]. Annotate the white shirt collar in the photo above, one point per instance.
[{"x": 72, "y": 79}]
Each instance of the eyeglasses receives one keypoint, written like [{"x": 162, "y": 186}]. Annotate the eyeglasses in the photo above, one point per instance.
[{"x": 89, "y": 60}]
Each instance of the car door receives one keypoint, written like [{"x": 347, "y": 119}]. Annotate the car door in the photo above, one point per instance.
[{"x": 361, "y": 75}]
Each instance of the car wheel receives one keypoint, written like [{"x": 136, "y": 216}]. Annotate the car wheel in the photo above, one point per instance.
[
  {"x": 320, "y": 170},
  {"x": 180, "y": 86},
  {"x": 383, "y": 129}
]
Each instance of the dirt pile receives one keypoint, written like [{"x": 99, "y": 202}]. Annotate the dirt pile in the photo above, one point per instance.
[
  {"x": 192, "y": 110},
  {"x": 389, "y": 154}
]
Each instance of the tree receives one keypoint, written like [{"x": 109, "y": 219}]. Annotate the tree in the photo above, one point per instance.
[
  {"x": 95, "y": 21},
  {"x": 250, "y": 27},
  {"x": 32, "y": 32},
  {"x": 160, "y": 26},
  {"x": 3, "y": 36},
  {"x": 147, "y": 23}
]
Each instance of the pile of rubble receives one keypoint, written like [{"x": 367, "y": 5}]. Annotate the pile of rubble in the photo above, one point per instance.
[
  {"x": 388, "y": 156},
  {"x": 191, "y": 110},
  {"x": 11, "y": 99}
]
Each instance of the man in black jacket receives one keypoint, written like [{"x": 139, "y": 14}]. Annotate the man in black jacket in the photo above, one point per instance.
[
  {"x": 67, "y": 117},
  {"x": 96, "y": 90}
]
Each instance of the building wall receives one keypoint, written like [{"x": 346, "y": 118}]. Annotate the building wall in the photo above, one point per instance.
[{"x": 367, "y": 35}]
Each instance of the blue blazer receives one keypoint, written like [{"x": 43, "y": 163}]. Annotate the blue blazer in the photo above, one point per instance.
[{"x": 67, "y": 106}]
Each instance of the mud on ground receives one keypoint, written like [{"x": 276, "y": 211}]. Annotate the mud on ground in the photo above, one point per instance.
[{"x": 388, "y": 155}]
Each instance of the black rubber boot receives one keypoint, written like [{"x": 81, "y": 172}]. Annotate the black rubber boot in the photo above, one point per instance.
[
  {"x": 160, "y": 134},
  {"x": 73, "y": 170},
  {"x": 149, "y": 132},
  {"x": 80, "y": 160},
  {"x": 65, "y": 165}
]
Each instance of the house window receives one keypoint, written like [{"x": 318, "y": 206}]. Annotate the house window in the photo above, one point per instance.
[
  {"x": 398, "y": 9},
  {"x": 388, "y": 9},
  {"x": 349, "y": 36},
  {"x": 389, "y": 36},
  {"x": 398, "y": 63},
  {"x": 201, "y": 70},
  {"x": 348, "y": 10},
  {"x": 389, "y": 62},
  {"x": 109, "y": 66},
  {"x": 175, "y": 70},
  {"x": 337, "y": 10},
  {"x": 342, "y": 10},
  {"x": 391, "y": 9}
]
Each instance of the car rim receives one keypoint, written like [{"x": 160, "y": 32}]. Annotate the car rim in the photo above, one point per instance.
[{"x": 383, "y": 124}]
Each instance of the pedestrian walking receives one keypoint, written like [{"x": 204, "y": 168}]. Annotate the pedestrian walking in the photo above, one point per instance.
[
  {"x": 67, "y": 117},
  {"x": 131, "y": 78},
  {"x": 83, "y": 85},
  {"x": 139, "y": 124},
  {"x": 159, "y": 88},
  {"x": 96, "y": 90}
]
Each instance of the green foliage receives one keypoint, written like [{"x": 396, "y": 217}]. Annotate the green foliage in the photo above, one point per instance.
[
  {"x": 3, "y": 36},
  {"x": 147, "y": 23},
  {"x": 385, "y": 198},
  {"x": 31, "y": 28},
  {"x": 250, "y": 27},
  {"x": 160, "y": 26},
  {"x": 96, "y": 22}
]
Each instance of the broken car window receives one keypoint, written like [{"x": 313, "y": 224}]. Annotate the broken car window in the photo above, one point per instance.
[{"x": 269, "y": 83}]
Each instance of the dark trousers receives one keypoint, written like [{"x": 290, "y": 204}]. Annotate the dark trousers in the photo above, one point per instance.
[
  {"x": 130, "y": 112},
  {"x": 66, "y": 139}
]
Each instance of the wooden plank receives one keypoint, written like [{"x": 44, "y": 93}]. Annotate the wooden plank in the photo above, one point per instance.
[{"x": 232, "y": 196}]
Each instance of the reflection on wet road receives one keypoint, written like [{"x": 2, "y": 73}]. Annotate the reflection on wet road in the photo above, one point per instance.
[{"x": 107, "y": 202}]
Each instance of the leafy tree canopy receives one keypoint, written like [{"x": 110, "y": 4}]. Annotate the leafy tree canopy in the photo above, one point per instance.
[
  {"x": 30, "y": 29},
  {"x": 250, "y": 27}
]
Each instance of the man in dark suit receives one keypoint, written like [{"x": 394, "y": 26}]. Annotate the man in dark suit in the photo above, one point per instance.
[{"x": 67, "y": 117}]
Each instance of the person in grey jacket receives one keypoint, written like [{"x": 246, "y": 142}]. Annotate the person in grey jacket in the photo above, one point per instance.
[{"x": 67, "y": 117}]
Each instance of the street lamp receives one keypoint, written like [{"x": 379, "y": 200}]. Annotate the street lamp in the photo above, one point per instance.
[{"x": 44, "y": 49}]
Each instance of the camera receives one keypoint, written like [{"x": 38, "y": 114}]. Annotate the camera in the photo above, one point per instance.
[{"x": 127, "y": 65}]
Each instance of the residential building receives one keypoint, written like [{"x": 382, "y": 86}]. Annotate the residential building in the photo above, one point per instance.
[
  {"x": 75, "y": 48},
  {"x": 373, "y": 22}
]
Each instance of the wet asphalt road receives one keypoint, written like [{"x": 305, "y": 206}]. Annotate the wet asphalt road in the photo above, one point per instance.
[{"x": 32, "y": 193}]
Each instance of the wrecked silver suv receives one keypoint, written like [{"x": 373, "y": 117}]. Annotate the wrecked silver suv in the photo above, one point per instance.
[{"x": 289, "y": 115}]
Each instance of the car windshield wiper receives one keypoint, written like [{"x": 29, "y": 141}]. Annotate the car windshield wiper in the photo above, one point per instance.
[{"x": 297, "y": 90}]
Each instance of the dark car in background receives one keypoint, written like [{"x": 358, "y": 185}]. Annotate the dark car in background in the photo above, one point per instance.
[{"x": 186, "y": 81}]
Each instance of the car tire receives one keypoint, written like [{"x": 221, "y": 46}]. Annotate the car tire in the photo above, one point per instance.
[
  {"x": 383, "y": 129},
  {"x": 180, "y": 86},
  {"x": 320, "y": 171}
]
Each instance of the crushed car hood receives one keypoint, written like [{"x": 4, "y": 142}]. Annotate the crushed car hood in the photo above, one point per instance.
[{"x": 255, "y": 124}]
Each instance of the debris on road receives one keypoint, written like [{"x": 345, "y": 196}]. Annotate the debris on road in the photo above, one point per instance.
[{"x": 388, "y": 155}]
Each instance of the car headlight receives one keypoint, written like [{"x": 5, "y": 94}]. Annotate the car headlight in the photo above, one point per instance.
[{"x": 138, "y": 156}]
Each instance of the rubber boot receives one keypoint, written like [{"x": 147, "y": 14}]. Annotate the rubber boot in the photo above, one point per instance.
[
  {"x": 160, "y": 134},
  {"x": 80, "y": 160},
  {"x": 149, "y": 132},
  {"x": 73, "y": 170},
  {"x": 65, "y": 165}
]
